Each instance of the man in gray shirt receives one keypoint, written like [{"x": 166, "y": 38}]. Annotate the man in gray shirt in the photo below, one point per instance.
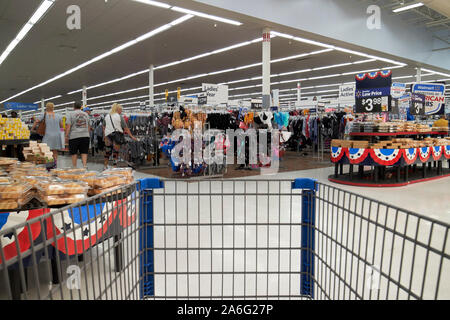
[{"x": 77, "y": 132}]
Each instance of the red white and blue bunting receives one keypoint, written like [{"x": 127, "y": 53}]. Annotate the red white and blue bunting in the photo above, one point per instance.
[
  {"x": 8, "y": 240},
  {"x": 357, "y": 155},
  {"x": 446, "y": 151},
  {"x": 337, "y": 153},
  {"x": 424, "y": 153},
  {"x": 436, "y": 152},
  {"x": 410, "y": 155},
  {"x": 386, "y": 157}
]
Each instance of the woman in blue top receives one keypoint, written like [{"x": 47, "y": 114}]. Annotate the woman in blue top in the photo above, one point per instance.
[{"x": 53, "y": 125}]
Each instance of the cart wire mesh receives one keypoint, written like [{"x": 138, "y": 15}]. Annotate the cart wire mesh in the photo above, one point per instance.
[{"x": 225, "y": 240}]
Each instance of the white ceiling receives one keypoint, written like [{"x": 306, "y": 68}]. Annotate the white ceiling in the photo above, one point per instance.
[{"x": 51, "y": 49}]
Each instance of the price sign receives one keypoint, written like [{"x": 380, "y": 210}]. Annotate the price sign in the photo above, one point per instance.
[
  {"x": 202, "y": 100},
  {"x": 417, "y": 106},
  {"x": 372, "y": 104}
]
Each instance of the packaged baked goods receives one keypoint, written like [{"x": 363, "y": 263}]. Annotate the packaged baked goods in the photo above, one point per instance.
[
  {"x": 5, "y": 180},
  {"x": 10, "y": 204},
  {"x": 127, "y": 172},
  {"x": 39, "y": 173},
  {"x": 14, "y": 190},
  {"x": 7, "y": 161},
  {"x": 104, "y": 181},
  {"x": 58, "y": 200},
  {"x": 32, "y": 180},
  {"x": 108, "y": 191},
  {"x": 57, "y": 172},
  {"x": 60, "y": 187},
  {"x": 77, "y": 175}
]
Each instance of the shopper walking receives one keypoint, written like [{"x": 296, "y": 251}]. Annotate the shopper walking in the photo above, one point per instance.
[
  {"x": 115, "y": 129},
  {"x": 77, "y": 132},
  {"x": 53, "y": 125}
]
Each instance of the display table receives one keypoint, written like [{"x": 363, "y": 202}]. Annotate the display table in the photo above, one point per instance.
[
  {"x": 389, "y": 163},
  {"x": 395, "y": 134},
  {"x": 14, "y": 142},
  {"x": 101, "y": 219}
]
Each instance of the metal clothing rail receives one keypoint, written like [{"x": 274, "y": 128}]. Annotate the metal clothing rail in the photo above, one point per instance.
[{"x": 229, "y": 239}]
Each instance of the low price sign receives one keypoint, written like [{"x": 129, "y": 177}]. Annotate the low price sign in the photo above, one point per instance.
[
  {"x": 434, "y": 96},
  {"x": 418, "y": 102},
  {"x": 373, "y": 92}
]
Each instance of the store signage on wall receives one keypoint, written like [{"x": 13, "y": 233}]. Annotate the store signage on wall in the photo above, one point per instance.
[
  {"x": 202, "y": 100},
  {"x": 256, "y": 104},
  {"x": 216, "y": 94},
  {"x": 398, "y": 90},
  {"x": 434, "y": 96},
  {"x": 418, "y": 102},
  {"x": 20, "y": 106},
  {"x": 347, "y": 94},
  {"x": 373, "y": 92},
  {"x": 275, "y": 98}
]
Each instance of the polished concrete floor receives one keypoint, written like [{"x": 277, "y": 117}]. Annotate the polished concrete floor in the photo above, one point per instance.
[
  {"x": 431, "y": 199},
  {"x": 241, "y": 238}
]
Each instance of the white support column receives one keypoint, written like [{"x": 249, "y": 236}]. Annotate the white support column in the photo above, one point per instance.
[
  {"x": 151, "y": 85},
  {"x": 84, "y": 97},
  {"x": 299, "y": 93},
  {"x": 266, "y": 69},
  {"x": 419, "y": 75},
  {"x": 42, "y": 105}
]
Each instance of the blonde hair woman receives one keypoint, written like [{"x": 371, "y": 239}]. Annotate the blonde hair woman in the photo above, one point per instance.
[
  {"x": 53, "y": 125},
  {"x": 115, "y": 128}
]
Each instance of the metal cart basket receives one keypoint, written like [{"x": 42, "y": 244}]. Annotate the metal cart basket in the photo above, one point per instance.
[{"x": 226, "y": 239}]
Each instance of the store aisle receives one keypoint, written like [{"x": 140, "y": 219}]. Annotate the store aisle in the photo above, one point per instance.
[{"x": 431, "y": 199}]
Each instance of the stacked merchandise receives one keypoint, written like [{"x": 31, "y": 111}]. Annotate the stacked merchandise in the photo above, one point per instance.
[
  {"x": 400, "y": 143},
  {"x": 38, "y": 153},
  {"x": 387, "y": 127},
  {"x": 440, "y": 129},
  {"x": 13, "y": 129},
  {"x": 56, "y": 192},
  {"x": 14, "y": 195},
  {"x": 108, "y": 180},
  {"x": 422, "y": 128},
  {"x": 391, "y": 127}
]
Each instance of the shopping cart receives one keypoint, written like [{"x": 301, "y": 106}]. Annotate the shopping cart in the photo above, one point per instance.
[{"x": 229, "y": 239}]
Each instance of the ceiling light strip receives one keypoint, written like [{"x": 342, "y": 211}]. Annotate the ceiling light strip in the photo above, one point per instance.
[
  {"x": 106, "y": 54},
  {"x": 37, "y": 15}
]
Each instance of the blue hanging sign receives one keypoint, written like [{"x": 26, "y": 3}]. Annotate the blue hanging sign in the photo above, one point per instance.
[{"x": 20, "y": 106}]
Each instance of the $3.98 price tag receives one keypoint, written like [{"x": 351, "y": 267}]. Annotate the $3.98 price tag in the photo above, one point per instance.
[{"x": 372, "y": 104}]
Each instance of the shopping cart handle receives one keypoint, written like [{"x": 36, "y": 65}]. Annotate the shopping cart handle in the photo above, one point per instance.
[{"x": 305, "y": 183}]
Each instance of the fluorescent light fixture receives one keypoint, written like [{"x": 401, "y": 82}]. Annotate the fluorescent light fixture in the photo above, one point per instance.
[
  {"x": 291, "y": 57},
  {"x": 364, "y": 61},
  {"x": 332, "y": 66},
  {"x": 207, "y": 16},
  {"x": 102, "y": 56},
  {"x": 155, "y": 3},
  {"x": 352, "y": 52},
  {"x": 64, "y": 104},
  {"x": 287, "y": 36},
  {"x": 37, "y": 15},
  {"x": 52, "y": 98},
  {"x": 436, "y": 72},
  {"x": 323, "y": 77},
  {"x": 411, "y": 6}
]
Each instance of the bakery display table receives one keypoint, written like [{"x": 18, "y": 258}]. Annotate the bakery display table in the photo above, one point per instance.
[
  {"x": 389, "y": 167},
  {"x": 83, "y": 227}
]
